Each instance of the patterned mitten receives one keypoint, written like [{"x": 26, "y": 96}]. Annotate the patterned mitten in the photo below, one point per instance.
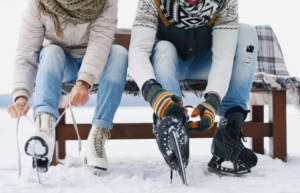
[
  {"x": 207, "y": 111},
  {"x": 163, "y": 103}
]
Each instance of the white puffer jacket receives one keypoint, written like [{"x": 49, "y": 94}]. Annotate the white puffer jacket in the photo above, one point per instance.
[{"x": 96, "y": 37}]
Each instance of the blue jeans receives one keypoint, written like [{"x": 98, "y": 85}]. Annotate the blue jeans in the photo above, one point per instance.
[
  {"x": 57, "y": 67},
  {"x": 169, "y": 68}
]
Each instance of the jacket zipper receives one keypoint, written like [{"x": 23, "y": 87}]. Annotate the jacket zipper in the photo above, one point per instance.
[{"x": 73, "y": 35}]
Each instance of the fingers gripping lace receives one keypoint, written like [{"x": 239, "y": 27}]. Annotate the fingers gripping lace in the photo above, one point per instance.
[{"x": 47, "y": 131}]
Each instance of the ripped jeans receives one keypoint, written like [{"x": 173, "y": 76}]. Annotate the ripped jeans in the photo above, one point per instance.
[
  {"x": 57, "y": 67},
  {"x": 170, "y": 68}
]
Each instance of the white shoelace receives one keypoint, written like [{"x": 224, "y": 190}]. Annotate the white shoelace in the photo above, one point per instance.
[
  {"x": 104, "y": 134},
  {"x": 46, "y": 131}
]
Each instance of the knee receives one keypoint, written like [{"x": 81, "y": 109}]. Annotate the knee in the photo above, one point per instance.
[
  {"x": 52, "y": 50},
  {"x": 248, "y": 34},
  {"x": 116, "y": 66},
  {"x": 52, "y": 57},
  {"x": 164, "y": 57},
  {"x": 119, "y": 52},
  {"x": 118, "y": 59},
  {"x": 166, "y": 48}
]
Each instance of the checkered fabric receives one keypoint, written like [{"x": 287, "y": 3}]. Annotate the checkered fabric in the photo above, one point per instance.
[
  {"x": 271, "y": 71},
  {"x": 270, "y": 58}
]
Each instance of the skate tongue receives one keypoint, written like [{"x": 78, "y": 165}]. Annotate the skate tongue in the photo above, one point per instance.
[{"x": 235, "y": 118}]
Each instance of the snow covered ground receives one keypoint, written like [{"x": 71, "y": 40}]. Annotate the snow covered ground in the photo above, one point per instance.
[{"x": 137, "y": 166}]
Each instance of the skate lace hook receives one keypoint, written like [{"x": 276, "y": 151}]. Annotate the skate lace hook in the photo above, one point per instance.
[{"x": 19, "y": 117}]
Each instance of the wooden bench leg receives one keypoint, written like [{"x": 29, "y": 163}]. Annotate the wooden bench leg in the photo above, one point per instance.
[
  {"x": 55, "y": 156},
  {"x": 257, "y": 115},
  {"x": 61, "y": 149},
  {"x": 60, "y": 146},
  {"x": 277, "y": 116}
]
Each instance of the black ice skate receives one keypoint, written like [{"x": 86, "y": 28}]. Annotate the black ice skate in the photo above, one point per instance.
[
  {"x": 173, "y": 142},
  {"x": 227, "y": 145}
]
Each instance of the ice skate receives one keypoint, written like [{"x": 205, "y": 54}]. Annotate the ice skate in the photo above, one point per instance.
[
  {"x": 95, "y": 156},
  {"x": 173, "y": 142},
  {"x": 227, "y": 146},
  {"x": 40, "y": 145}
]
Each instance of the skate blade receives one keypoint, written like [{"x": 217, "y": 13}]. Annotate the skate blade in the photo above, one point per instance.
[
  {"x": 37, "y": 168},
  {"x": 97, "y": 172},
  {"x": 179, "y": 157},
  {"x": 224, "y": 173}
]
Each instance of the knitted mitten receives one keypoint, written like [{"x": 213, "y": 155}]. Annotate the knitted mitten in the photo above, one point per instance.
[
  {"x": 163, "y": 103},
  {"x": 207, "y": 111}
]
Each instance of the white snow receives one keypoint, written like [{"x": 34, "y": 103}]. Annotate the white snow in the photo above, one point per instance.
[{"x": 138, "y": 166}]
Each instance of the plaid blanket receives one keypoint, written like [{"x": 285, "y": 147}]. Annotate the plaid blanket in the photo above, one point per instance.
[
  {"x": 270, "y": 58},
  {"x": 271, "y": 71}
]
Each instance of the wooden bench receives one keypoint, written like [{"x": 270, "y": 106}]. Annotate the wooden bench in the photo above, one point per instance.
[{"x": 256, "y": 129}]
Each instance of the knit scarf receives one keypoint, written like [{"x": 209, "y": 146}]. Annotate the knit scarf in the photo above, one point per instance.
[
  {"x": 72, "y": 11},
  {"x": 182, "y": 15}
]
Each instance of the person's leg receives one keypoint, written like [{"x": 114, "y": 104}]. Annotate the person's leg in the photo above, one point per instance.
[
  {"x": 111, "y": 87},
  {"x": 243, "y": 70},
  {"x": 55, "y": 67},
  {"x": 165, "y": 62},
  {"x": 199, "y": 67}
]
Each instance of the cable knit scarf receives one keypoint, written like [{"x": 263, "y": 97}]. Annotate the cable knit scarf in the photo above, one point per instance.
[
  {"x": 182, "y": 15},
  {"x": 72, "y": 11}
]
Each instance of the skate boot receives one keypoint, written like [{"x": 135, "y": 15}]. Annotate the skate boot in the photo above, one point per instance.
[
  {"x": 95, "y": 155},
  {"x": 40, "y": 145},
  {"x": 228, "y": 146},
  {"x": 173, "y": 142}
]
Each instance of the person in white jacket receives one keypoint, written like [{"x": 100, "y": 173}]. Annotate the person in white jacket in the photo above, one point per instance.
[
  {"x": 65, "y": 41},
  {"x": 176, "y": 40}
]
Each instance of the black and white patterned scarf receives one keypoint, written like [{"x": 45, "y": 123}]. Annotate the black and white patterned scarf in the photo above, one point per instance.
[{"x": 183, "y": 15}]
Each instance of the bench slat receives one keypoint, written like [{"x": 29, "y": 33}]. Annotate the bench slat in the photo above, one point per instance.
[{"x": 144, "y": 131}]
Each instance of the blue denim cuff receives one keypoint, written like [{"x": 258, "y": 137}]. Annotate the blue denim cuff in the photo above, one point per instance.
[
  {"x": 102, "y": 123},
  {"x": 46, "y": 109}
]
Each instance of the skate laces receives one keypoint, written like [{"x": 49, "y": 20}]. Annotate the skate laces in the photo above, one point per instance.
[
  {"x": 101, "y": 135},
  {"x": 47, "y": 131},
  {"x": 233, "y": 134},
  {"x": 74, "y": 123}
]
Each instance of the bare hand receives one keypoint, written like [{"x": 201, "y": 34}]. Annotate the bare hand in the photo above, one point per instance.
[
  {"x": 15, "y": 108},
  {"x": 79, "y": 94}
]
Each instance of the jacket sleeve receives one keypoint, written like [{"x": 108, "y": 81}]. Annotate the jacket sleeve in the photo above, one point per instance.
[
  {"x": 102, "y": 34},
  {"x": 142, "y": 41},
  {"x": 31, "y": 36},
  {"x": 224, "y": 42}
]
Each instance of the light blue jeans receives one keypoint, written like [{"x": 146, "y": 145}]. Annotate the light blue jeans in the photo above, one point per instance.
[
  {"x": 169, "y": 68},
  {"x": 57, "y": 67}
]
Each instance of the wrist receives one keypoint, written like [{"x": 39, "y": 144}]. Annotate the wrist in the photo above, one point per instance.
[
  {"x": 21, "y": 98},
  {"x": 213, "y": 93},
  {"x": 83, "y": 83},
  {"x": 149, "y": 87},
  {"x": 214, "y": 100}
]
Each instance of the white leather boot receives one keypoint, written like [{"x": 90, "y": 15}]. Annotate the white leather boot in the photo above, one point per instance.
[
  {"x": 42, "y": 142},
  {"x": 95, "y": 155}
]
